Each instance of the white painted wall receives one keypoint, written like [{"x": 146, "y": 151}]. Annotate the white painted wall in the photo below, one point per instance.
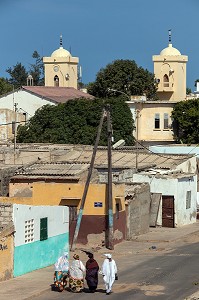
[
  {"x": 26, "y": 102},
  {"x": 58, "y": 220},
  {"x": 178, "y": 188}
]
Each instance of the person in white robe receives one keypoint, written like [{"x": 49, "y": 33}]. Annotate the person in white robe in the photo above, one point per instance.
[{"x": 109, "y": 270}]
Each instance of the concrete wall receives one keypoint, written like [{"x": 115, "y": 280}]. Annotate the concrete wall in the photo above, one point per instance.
[
  {"x": 31, "y": 253},
  {"x": 138, "y": 211},
  {"x": 178, "y": 188}
]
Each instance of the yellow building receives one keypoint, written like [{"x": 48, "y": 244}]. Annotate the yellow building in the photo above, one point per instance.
[
  {"x": 153, "y": 119},
  {"x": 170, "y": 73},
  {"x": 61, "y": 68}
]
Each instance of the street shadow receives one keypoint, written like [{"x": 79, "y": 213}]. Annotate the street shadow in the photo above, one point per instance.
[{"x": 86, "y": 290}]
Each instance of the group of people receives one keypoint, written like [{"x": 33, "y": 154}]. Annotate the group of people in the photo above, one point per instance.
[{"x": 73, "y": 275}]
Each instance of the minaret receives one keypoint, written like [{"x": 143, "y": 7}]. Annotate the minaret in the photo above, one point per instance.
[
  {"x": 170, "y": 73},
  {"x": 61, "y": 68}
]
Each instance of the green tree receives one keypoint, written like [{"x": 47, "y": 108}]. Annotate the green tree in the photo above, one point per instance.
[
  {"x": 5, "y": 87},
  {"x": 37, "y": 69},
  {"x": 124, "y": 76},
  {"x": 76, "y": 122},
  {"x": 186, "y": 121},
  {"x": 188, "y": 91},
  {"x": 18, "y": 75}
]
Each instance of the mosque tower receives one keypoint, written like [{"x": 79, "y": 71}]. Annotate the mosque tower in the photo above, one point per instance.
[
  {"x": 61, "y": 68},
  {"x": 170, "y": 73}
]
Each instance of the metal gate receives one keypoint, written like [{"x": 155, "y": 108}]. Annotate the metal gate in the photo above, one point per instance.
[{"x": 168, "y": 211}]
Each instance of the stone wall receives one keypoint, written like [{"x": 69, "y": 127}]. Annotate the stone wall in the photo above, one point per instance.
[{"x": 6, "y": 210}]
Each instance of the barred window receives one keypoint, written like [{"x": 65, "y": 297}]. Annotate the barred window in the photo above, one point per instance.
[{"x": 29, "y": 231}]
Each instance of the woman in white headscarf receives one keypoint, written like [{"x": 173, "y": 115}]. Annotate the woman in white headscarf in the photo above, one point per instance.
[
  {"x": 61, "y": 272},
  {"x": 76, "y": 278},
  {"x": 109, "y": 272}
]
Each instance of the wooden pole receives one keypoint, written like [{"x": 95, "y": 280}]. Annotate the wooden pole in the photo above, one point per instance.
[
  {"x": 73, "y": 245},
  {"x": 110, "y": 200}
]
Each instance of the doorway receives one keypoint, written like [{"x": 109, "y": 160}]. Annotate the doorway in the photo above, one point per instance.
[{"x": 168, "y": 211}]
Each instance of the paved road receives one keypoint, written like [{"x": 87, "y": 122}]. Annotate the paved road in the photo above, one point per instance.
[{"x": 154, "y": 275}]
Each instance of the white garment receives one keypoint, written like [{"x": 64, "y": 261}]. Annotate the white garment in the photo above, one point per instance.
[
  {"x": 76, "y": 269},
  {"x": 109, "y": 269},
  {"x": 62, "y": 263}
]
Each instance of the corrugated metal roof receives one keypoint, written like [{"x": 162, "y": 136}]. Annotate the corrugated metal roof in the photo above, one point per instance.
[
  {"x": 53, "y": 169},
  {"x": 75, "y": 160}
]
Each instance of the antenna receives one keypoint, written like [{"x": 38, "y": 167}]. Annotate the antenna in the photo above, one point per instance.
[
  {"x": 61, "y": 44},
  {"x": 169, "y": 36}
]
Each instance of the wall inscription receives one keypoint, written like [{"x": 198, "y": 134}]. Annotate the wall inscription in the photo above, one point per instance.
[{"x": 3, "y": 247}]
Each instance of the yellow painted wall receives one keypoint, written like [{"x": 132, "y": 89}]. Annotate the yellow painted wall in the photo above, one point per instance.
[
  {"x": 146, "y": 120},
  {"x": 175, "y": 68},
  {"x": 6, "y": 257},
  {"x": 65, "y": 65},
  {"x": 68, "y": 194}
]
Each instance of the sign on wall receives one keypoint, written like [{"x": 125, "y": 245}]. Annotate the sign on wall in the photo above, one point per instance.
[{"x": 98, "y": 204}]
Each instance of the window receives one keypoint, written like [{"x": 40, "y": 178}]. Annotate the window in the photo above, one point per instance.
[
  {"x": 117, "y": 209},
  {"x": 72, "y": 213},
  {"x": 56, "y": 80},
  {"x": 188, "y": 200},
  {"x": 29, "y": 231},
  {"x": 166, "y": 80},
  {"x": 157, "y": 121},
  {"x": 166, "y": 121},
  {"x": 43, "y": 229}
]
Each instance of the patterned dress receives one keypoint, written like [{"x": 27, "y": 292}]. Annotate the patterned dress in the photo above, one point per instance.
[{"x": 76, "y": 278}]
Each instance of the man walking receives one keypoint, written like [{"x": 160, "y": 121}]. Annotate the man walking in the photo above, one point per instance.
[{"x": 109, "y": 272}]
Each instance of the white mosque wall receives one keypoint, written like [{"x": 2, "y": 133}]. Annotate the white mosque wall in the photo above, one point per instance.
[{"x": 26, "y": 102}]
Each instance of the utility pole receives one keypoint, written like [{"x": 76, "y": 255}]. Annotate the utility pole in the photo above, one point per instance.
[
  {"x": 110, "y": 200},
  {"x": 73, "y": 245},
  {"x": 136, "y": 153},
  {"x": 15, "y": 133}
]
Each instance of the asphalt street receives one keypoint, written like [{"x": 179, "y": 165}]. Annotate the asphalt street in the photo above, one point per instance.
[{"x": 168, "y": 274}]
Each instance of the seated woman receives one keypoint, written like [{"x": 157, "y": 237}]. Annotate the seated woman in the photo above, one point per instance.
[
  {"x": 61, "y": 272},
  {"x": 76, "y": 278}
]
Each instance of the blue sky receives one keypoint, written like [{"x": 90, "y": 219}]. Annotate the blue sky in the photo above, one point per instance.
[{"x": 99, "y": 32}]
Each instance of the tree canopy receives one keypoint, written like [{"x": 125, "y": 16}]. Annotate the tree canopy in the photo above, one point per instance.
[
  {"x": 18, "y": 73},
  {"x": 124, "y": 76},
  {"x": 5, "y": 87},
  {"x": 186, "y": 121},
  {"x": 76, "y": 122},
  {"x": 37, "y": 69}
]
